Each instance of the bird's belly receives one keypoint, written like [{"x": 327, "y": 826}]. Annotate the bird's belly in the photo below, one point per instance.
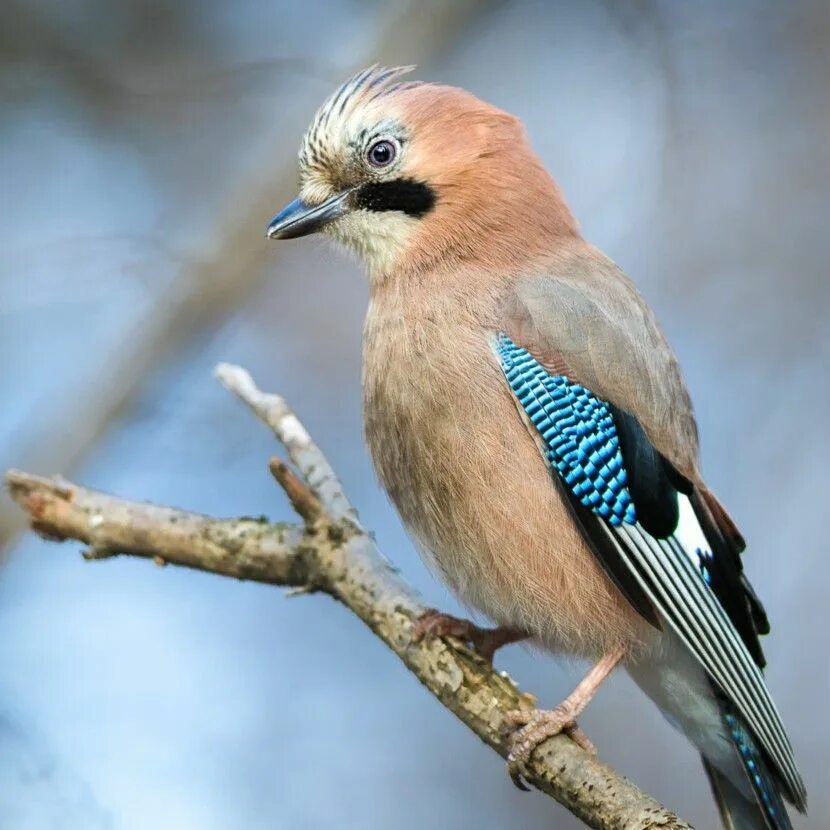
[
  {"x": 475, "y": 493},
  {"x": 531, "y": 572}
]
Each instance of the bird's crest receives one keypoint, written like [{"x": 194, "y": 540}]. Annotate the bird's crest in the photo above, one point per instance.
[{"x": 359, "y": 90}]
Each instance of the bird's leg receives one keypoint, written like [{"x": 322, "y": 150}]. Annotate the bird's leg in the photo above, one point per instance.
[
  {"x": 538, "y": 725},
  {"x": 486, "y": 641}
]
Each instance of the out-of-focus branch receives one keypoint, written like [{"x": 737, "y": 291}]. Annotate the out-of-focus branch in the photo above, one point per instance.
[
  {"x": 218, "y": 280},
  {"x": 333, "y": 554}
]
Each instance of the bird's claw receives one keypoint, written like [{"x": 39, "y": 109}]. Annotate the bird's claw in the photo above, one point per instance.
[
  {"x": 486, "y": 641},
  {"x": 534, "y": 727}
]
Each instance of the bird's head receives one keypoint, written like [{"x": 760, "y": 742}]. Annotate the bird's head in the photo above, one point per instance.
[{"x": 411, "y": 174}]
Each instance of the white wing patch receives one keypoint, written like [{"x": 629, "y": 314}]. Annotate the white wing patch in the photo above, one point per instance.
[{"x": 689, "y": 533}]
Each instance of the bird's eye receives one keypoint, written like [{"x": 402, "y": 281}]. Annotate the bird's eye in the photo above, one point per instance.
[{"x": 381, "y": 153}]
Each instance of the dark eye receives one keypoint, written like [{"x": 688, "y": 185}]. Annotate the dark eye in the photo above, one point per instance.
[{"x": 381, "y": 153}]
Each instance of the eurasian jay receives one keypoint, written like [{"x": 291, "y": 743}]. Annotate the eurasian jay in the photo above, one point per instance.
[{"x": 529, "y": 420}]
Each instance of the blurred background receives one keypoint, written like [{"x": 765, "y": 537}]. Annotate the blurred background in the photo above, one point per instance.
[{"x": 144, "y": 145}]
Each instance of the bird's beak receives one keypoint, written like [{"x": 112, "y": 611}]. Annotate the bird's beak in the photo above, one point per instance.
[{"x": 298, "y": 218}]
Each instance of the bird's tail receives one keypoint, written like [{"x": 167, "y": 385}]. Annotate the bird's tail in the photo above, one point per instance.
[
  {"x": 746, "y": 787},
  {"x": 765, "y": 811}
]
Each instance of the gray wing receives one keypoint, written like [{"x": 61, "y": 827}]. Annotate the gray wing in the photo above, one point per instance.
[{"x": 590, "y": 319}]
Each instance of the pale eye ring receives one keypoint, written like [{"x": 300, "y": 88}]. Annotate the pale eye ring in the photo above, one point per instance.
[{"x": 381, "y": 153}]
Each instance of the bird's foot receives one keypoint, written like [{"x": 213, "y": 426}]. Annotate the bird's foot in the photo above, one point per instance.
[
  {"x": 538, "y": 725},
  {"x": 486, "y": 641},
  {"x": 535, "y": 727}
]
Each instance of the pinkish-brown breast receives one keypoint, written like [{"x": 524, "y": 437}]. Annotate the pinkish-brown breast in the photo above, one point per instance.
[{"x": 467, "y": 477}]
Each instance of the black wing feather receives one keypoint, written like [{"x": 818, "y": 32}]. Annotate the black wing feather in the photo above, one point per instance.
[
  {"x": 649, "y": 477},
  {"x": 654, "y": 484},
  {"x": 727, "y": 580}
]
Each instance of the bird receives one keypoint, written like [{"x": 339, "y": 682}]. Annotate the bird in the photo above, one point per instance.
[{"x": 531, "y": 424}]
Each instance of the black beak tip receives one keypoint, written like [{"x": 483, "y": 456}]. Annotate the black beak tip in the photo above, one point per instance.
[
  {"x": 300, "y": 219},
  {"x": 291, "y": 214}
]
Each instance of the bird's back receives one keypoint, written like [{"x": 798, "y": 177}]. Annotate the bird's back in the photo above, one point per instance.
[{"x": 585, "y": 310}]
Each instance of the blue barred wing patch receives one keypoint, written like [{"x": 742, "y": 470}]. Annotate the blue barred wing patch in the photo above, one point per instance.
[{"x": 578, "y": 432}]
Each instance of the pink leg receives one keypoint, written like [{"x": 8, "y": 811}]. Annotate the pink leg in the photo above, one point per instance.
[
  {"x": 537, "y": 725},
  {"x": 485, "y": 640}
]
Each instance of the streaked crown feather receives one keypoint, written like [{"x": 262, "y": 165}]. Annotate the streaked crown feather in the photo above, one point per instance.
[{"x": 362, "y": 88}]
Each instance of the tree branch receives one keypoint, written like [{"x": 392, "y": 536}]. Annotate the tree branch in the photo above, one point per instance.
[{"x": 333, "y": 554}]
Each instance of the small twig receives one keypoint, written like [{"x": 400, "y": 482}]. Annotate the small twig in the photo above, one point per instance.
[
  {"x": 300, "y": 592},
  {"x": 305, "y": 454},
  {"x": 304, "y": 502},
  {"x": 94, "y": 554}
]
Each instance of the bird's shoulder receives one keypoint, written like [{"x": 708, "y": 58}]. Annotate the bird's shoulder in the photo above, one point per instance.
[{"x": 582, "y": 317}]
